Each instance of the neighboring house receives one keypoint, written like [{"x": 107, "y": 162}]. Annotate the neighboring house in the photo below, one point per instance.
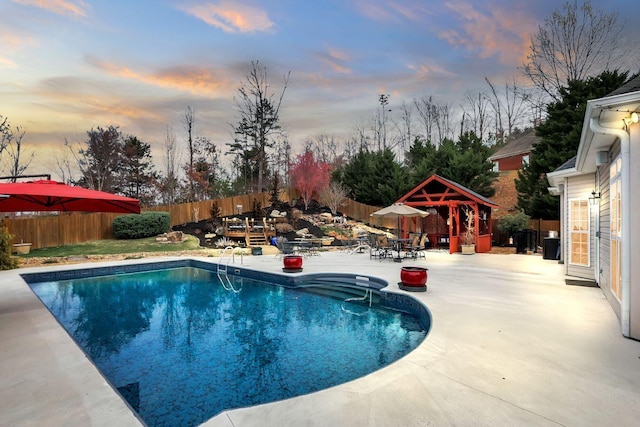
[
  {"x": 516, "y": 152},
  {"x": 598, "y": 207},
  {"x": 507, "y": 161}
]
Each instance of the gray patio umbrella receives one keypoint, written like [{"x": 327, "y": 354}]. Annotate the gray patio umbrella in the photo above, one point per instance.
[{"x": 399, "y": 210}]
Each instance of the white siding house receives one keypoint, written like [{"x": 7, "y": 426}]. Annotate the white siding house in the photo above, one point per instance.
[{"x": 599, "y": 193}]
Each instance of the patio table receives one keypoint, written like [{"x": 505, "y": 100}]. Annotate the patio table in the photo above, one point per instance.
[{"x": 397, "y": 245}]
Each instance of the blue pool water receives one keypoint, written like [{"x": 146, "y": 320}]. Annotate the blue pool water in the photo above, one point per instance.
[{"x": 180, "y": 348}]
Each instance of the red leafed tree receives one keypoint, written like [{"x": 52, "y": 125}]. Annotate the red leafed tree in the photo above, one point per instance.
[{"x": 308, "y": 176}]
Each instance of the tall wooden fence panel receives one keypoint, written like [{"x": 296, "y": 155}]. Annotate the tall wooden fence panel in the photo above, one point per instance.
[
  {"x": 362, "y": 212},
  {"x": 71, "y": 228}
]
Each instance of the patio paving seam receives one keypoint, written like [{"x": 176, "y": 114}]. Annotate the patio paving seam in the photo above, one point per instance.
[{"x": 485, "y": 393}]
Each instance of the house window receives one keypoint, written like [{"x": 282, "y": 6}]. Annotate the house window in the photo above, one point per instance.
[
  {"x": 579, "y": 232},
  {"x": 496, "y": 167},
  {"x": 615, "y": 200},
  {"x": 525, "y": 160}
]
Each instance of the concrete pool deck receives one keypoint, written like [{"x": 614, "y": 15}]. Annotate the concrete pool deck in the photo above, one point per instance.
[{"x": 510, "y": 344}]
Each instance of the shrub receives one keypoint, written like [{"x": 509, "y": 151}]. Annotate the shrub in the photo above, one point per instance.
[
  {"x": 215, "y": 212},
  {"x": 146, "y": 224},
  {"x": 511, "y": 224},
  {"x": 256, "y": 210},
  {"x": 7, "y": 262}
]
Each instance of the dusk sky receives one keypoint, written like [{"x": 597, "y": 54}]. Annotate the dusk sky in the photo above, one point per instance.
[{"x": 69, "y": 65}]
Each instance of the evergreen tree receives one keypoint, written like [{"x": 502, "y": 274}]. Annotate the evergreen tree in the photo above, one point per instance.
[
  {"x": 465, "y": 162},
  {"x": 560, "y": 137},
  {"x": 375, "y": 178},
  {"x": 138, "y": 174},
  {"x": 469, "y": 165}
]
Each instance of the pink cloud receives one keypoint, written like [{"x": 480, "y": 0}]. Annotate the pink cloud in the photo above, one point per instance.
[
  {"x": 231, "y": 17},
  {"x": 335, "y": 59},
  {"x": 11, "y": 43},
  {"x": 196, "y": 80},
  {"x": 76, "y": 8},
  {"x": 429, "y": 71},
  {"x": 500, "y": 32},
  {"x": 392, "y": 11}
]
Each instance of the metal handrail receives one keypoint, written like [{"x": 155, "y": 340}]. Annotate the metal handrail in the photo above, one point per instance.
[{"x": 223, "y": 269}]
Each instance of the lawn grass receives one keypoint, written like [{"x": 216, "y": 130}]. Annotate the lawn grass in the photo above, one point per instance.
[{"x": 112, "y": 247}]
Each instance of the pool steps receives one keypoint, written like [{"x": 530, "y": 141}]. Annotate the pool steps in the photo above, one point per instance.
[{"x": 331, "y": 282}]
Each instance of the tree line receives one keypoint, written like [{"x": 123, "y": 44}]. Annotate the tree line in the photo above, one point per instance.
[{"x": 573, "y": 57}]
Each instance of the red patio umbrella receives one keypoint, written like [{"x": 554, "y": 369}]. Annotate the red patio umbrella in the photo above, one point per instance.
[{"x": 47, "y": 195}]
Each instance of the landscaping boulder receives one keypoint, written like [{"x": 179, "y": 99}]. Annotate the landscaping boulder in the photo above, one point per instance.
[{"x": 175, "y": 236}]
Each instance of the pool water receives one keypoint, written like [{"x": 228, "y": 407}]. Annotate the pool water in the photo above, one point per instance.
[{"x": 181, "y": 348}]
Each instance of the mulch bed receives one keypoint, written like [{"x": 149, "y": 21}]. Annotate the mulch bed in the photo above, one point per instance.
[{"x": 201, "y": 228}]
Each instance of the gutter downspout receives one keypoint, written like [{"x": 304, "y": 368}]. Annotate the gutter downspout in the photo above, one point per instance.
[{"x": 625, "y": 152}]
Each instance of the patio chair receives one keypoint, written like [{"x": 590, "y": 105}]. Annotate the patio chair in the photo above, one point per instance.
[
  {"x": 374, "y": 247},
  {"x": 384, "y": 248},
  {"x": 418, "y": 250},
  {"x": 413, "y": 247},
  {"x": 284, "y": 246}
]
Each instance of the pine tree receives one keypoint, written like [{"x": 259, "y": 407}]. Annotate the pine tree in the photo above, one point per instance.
[{"x": 560, "y": 137}]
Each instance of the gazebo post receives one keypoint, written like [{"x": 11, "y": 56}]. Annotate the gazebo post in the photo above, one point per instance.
[
  {"x": 454, "y": 215},
  {"x": 439, "y": 192},
  {"x": 476, "y": 232}
]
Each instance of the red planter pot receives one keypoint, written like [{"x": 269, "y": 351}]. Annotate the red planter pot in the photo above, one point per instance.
[
  {"x": 292, "y": 263},
  {"x": 413, "y": 279}
]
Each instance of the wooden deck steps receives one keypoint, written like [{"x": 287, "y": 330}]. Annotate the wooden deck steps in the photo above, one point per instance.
[{"x": 257, "y": 239}]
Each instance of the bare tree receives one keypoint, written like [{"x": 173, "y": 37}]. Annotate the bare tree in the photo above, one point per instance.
[
  {"x": 333, "y": 196},
  {"x": 477, "y": 114},
  {"x": 324, "y": 148},
  {"x": 405, "y": 129},
  {"x": 282, "y": 160},
  {"x": 508, "y": 107},
  {"x": 537, "y": 101},
  {"x": 435, "y": 119},
  {"x": 11, "y": 143},
  {"x": 574, "y": 43},
  {"x": 361, "y": 140},
  {"x": 62, "y": 164},
  {"x": 381, "y": 121},
  {"x": 5, "y": 133},
  {"x": 259, "y": 110},
  {"x": 17, "y": 164},
  {"x": 171, "y": 162},
  {"x": 189, "y": 119},
  {"x": 496, "y": 105}
]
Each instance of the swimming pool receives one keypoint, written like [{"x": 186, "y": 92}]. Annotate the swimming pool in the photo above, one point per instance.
[{"x": 180, "y": 346}]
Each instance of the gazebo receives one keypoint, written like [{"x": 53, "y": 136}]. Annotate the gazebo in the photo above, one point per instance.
[{"x": 446, "y": 200}]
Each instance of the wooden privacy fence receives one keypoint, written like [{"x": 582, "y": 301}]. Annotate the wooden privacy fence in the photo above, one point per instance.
[
  {"x": 72, "y": 228},
  {"x": 59, "y": 230},
  {"x": 539, "y": 227}
]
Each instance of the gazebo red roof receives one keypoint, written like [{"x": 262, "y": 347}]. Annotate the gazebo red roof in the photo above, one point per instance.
[
  {"x": 439, "y": 191},
  {"x": 443, "y": 194}
]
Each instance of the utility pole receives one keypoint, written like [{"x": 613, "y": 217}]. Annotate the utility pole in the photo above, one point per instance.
[{"x": 384, "y": 101}]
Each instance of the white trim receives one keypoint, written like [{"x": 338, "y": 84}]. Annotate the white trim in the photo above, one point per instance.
[{"x": 586, "y": 232}]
